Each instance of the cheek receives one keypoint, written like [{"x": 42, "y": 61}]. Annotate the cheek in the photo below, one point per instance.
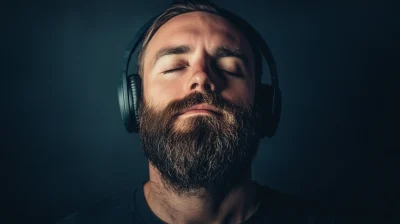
[
  {"x": 239, "y": 92},
  {"x": 159, "y": 93}
]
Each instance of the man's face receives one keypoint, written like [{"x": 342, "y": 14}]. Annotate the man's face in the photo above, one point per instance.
[{"x": 198, "y": 59}]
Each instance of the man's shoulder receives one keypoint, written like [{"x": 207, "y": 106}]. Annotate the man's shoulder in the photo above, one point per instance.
[
  {"x": 116, "y": 208},
  {"x": 278, "y": 199},
  {"x": 281, "y": 203},
  {"x": 277, "y": 205}
]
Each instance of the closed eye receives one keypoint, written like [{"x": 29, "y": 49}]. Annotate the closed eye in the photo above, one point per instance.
[
  {"x": 232, "y": 73},
  {"x": 172, "y": 70},
  {"x": 224, "y": 71}
]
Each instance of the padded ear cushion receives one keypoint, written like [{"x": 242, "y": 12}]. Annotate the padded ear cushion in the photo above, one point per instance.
[
  {"x": 267, "y": 104},
  {"x": 135, "y": 84},
  {"x": 129, "y": 98}
]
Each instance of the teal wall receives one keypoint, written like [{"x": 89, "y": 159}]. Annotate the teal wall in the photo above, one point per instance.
[{"x": 64, "y": 145}]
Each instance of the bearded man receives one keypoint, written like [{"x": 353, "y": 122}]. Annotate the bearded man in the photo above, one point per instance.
[{"x": 197, "y": 120}]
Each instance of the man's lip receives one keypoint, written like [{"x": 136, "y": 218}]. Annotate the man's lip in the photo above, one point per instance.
[{"x": 202, "y": 107}]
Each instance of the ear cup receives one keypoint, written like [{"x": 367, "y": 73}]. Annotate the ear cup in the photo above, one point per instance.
[
  {"x": 123, "y": 100},
  {"x": 136, "y": 91},
  {"x": 129, "y": 93},
  {"x": 276, "y": 111},
  {"x": 268, "y": 106}
]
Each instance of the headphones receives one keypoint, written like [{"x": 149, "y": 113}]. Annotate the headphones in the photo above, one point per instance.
[{"x": 268, "y": 98}]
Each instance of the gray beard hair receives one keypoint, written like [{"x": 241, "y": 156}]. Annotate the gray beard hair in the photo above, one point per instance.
[{"x": 209, "y": 153}]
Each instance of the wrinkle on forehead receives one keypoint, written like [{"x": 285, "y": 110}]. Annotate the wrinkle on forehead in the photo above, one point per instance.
[{"x": 192, "y": 22}]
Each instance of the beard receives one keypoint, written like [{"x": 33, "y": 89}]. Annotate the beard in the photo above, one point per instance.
[{"x": 201, "y": 152}]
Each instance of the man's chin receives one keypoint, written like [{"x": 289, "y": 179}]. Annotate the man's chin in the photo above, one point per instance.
[{"x": 184, "y": 123}]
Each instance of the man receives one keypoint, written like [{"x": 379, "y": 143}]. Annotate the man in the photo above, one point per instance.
[{"x": 197, "y": 124}]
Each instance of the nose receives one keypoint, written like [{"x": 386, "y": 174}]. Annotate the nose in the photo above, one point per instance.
[
  {"x": 201, "y": 82},
  {"x": 202, "y": 79}
]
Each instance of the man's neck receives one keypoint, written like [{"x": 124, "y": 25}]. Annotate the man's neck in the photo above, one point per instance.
[{"x": 236, "y": 206}]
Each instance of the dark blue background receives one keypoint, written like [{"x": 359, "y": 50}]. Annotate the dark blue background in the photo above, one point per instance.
[{"x": 64, "y": 146}]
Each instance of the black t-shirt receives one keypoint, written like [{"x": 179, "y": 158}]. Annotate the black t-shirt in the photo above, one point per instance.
[{"x": 130, "y": 207}]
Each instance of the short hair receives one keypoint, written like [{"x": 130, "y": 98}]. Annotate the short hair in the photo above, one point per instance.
[{"x": 186, "y": 7}]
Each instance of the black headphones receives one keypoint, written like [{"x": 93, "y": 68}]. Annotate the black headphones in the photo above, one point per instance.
[{"x": 268, "y": 99}]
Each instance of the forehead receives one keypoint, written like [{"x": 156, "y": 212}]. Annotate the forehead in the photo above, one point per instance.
[{"x": 198, "y": 28}]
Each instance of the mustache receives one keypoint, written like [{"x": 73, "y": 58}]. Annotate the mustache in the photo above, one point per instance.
[{"x": 176, "y": 107}]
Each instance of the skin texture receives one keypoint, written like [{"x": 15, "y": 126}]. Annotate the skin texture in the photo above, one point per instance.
[{"x": 198, "y": 69}]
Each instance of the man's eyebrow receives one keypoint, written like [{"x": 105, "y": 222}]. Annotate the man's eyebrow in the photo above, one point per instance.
[
  {"x": 221, "y": 52},
  {"x": 181, "y": 49}
]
